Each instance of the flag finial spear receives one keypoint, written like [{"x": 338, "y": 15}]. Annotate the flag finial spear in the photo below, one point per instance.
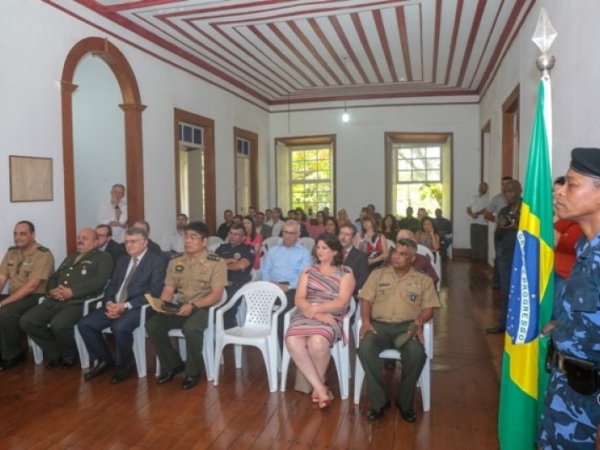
[{"x": 543, "y": 37}]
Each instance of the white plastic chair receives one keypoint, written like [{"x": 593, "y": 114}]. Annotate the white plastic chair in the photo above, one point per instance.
[
  {"x": 139, "y": 341},
  {"x": 435, "y": 259},
  {"x": 391, "y": 244},
  {"x": 214, "y": 246},
  {"x": 424, "y": 378},
  {"x": 307, "y": 242},
  {"x": 259, "y": 327},
  {"x": 214, "y": 240},
  {"x": 339, "y": 352},
  {"x": 38, "y": 354},
  {"x": 270, "y": 242},
  {"x": 208, "y": 344}
]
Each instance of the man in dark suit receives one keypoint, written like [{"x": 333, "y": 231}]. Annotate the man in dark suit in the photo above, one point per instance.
[
  {"x": 106, "y": 243},
  {"x": 153, "y": 247},
  {"x": 261, "y": 228},
  {"x": 139, "y": 273},
  {"x": 81, "y": 275},
  {"x": 353, "y": 258}
]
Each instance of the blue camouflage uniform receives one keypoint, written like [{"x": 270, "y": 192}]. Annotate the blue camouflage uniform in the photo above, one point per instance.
[{"x": 570, "y": 419}]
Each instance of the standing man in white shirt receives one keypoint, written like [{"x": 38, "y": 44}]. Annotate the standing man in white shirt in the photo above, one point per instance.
[
  {"x": 114, "y": 213},
  {"x": 479, "y": 226}
]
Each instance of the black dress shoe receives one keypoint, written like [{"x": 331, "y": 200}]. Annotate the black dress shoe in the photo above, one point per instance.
[
  {"x": 189, "y": 382},
  {"x": 409, "y": 415},
  {"x": 123, "y": 372},
  {"x": 67, "y": 363},
  {"x": 375, "y": 414},
  {"x": 99, "y": 369},
  {"x": 495, "y": 330},
  {"x": 168, "y": 376},
  {"x": 53, "y": 363},
  {"x": 6, "y": 364}
]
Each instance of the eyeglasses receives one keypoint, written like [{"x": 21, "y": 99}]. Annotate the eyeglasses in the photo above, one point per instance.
[{"x": 192, "y": 236}]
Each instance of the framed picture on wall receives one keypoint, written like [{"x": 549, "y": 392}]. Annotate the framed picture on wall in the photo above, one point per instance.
[{"x": 30, "y": 179}]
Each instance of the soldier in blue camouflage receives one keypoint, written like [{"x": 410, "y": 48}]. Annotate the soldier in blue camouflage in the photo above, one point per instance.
[{"x": 571, "y": 413}]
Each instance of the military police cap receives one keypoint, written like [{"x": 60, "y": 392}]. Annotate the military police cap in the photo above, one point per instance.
[{"x": 586, "y": 161}]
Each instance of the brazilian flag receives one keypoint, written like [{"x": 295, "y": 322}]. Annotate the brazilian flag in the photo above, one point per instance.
[{"x": 524, "y": 378}]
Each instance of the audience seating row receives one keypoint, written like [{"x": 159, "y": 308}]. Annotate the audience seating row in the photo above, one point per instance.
[{"x": 264, "y": 302}]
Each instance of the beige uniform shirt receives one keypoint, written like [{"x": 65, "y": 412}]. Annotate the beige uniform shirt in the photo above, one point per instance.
[
  {"x": 195, "y": 278},
  {"x": 19, "y": 267},
  {"x": 396, "y": 299}
]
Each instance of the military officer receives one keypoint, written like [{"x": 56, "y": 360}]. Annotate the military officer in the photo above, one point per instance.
[
  {"x": 571, "y": 415},
  {"x": 26, "y": 267},
  {"x": 239, "y": 259},
  {"x": 395, "y": 302},
  {"x": 199, "y": 277},
  {"x": 81, "y": 276}
]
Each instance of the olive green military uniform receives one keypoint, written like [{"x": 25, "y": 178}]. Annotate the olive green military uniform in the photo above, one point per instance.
[
  {"x": 396, "y": 303},
  {"x": 193, "y": 278},
  {"x": 86, "y": 275},
  {"x": 19, "y": 267}
]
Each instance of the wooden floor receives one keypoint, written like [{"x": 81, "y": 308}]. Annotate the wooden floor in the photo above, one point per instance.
[{"x": 44, "y": 409}]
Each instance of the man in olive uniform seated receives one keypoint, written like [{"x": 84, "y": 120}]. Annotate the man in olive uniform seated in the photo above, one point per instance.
[
  {"x": 26, "y": 267},
  {"x": 81, "y": 276},
  {"x": 199, "y": 277},
  {"x": 395, "y": 303}
]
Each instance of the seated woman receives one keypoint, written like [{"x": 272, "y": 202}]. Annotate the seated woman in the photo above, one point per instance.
[
  {"x": 322, "y": 297},
  {"x": 342, "y": 218},
  {"x": 389, "y": 227},
  {"x": 253, "y": 239},
  {"x": 372, "y": 243},
  {"x": 428, "y": 237},
  {"x": 319, "y": 226},
  {"x": 331, "y": 226}
]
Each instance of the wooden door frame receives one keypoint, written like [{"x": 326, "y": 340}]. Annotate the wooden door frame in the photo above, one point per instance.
[
  {"x": 208, "y": 143},
  {"x": 253, "y": 138}
]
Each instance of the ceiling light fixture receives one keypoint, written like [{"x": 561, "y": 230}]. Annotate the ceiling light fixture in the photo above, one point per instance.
[{"x": 345, "y": 115}]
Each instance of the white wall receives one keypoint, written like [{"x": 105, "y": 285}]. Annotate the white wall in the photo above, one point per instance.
[
  {"x": 98, "y": 138},
  {"x": 575, "y": 97},
  {"x": 360, "y": 150},
  {"x": 30, "y": 117}
]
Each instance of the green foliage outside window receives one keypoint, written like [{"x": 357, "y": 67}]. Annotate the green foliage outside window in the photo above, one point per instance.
[{"x": 311, "y": 179}]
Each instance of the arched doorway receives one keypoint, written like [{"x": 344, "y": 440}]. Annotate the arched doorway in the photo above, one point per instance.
[{"x": 132, "y": 113}]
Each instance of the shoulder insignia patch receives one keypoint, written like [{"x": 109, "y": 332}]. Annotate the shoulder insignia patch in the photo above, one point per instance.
[
  {"x": 213, "y": 257},
  {"x": 14, "y": 247},
  {"x": 43, "y": 249},
  {"x": 176, "y": 255}
]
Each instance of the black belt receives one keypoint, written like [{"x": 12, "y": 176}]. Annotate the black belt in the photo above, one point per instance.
[{"x": 582, "y": 375}]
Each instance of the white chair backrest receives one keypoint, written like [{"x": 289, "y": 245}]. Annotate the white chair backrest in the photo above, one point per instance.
[
  {"x": 391, "y": 244},
  {"x": 422, "y": 250},
  {"x": 260, "y": 297},
  {"x": 308, "y": 243},
  {"x": 214, "y": 246},
  {"x": 212, "y": 240},
  {"x": 270, "y": 242}
]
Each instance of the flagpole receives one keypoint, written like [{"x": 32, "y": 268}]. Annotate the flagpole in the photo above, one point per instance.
[{"x": 524, "y": 378}]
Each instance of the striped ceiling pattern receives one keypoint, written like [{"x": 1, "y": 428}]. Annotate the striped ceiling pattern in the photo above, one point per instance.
[{"x": 280, "y": 52}]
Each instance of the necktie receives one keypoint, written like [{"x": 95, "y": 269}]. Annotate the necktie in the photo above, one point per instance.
[
  {"x": 346, "y": 251},
  {"x": 123, "y": 294}
]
